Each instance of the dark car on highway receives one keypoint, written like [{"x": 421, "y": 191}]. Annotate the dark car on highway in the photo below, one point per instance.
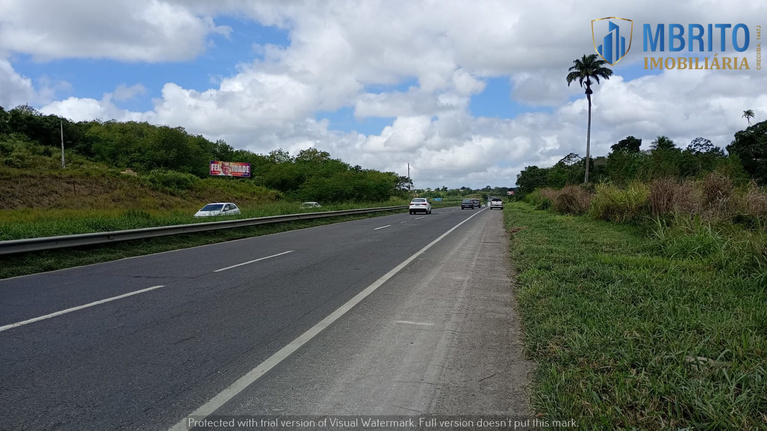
[{"x": 467, "y": 203}]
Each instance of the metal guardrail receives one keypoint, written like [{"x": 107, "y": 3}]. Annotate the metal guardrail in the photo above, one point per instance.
[{"x": 54, "y": 242}]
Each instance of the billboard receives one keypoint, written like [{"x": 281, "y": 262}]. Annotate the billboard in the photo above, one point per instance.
[{"x": 229, "y": 169}]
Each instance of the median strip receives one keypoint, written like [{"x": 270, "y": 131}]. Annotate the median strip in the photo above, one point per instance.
[
  {"x": 79, "y": 307},
  {"x": 253, "y": 261}
]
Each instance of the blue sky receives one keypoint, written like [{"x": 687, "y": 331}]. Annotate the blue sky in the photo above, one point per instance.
[{"x": 467, "y": 93}]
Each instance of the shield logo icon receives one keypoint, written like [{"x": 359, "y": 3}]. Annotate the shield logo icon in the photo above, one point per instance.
[{"x": 612, "y": 45}]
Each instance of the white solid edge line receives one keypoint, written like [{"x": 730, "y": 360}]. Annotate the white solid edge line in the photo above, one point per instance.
[
  {"x": 382, "y": 227},
  {"x": 243, "y": 382},
  {"x": 79, "y": 307},
  {"x": 254, "y": 261}
]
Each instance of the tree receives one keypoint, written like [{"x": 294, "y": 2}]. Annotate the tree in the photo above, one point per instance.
[
  {"x": 699, "y": 157},
  {"x": 750, "y": 146},
  {"x": 748, "y": 114},
  {"x": 222, "y": 151},
  {"x": 571, "y": 159},
  {"x": 665, "y": 159},
  {"x": 566, "y": 171},
  {"x": 404, "y": 183},
  {"x": 628, "y": 144},
  {"x": 584, "y": 70},
  {"x": 279, "y": 156},
  {"x": 531, "y": 178},
  {"x": 662, "y": 143},
  {"x": 3, "y": 121}
]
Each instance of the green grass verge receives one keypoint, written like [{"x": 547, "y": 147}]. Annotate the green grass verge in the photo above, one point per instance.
[{"x": 629, "y": 336}]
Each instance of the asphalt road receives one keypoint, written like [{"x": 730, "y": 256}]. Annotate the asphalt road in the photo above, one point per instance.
[{"x": 394, "y": 315}]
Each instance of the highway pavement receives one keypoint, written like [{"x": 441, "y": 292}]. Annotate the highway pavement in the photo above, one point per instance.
[{"x": 394, "y": 315}]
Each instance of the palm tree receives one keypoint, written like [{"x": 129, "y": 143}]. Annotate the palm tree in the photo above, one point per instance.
[
  {"x": 748, "y": 114},
  {"x": 662, "y": 143},
  {"x": 584, "y": 70}
]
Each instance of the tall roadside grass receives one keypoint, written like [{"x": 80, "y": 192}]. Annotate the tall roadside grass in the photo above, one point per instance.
[
  {"x": 542, "y": 198},
  {"x": 572, "y": 200},
  {"x": 620, "y": 204},
  {"x": 638, "y": 331},
  {"x": 714, "y": 199}
]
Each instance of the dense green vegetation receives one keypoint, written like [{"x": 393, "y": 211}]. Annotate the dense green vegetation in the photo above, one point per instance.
[
  {"x": 169, "y": 158},
  {"x": 746, "y": 160},
  {"x": 642, "y": 326}
]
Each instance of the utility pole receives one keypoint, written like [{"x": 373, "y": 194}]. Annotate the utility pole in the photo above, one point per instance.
[
  {"x": 409, "y": 181},
  {"x": 63, "y": 164}
]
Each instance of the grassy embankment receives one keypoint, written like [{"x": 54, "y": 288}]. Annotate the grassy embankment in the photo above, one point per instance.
[{"x": 641, "y": 326}]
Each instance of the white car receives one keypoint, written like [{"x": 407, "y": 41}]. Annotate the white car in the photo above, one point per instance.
[
  {"x": 496, "y": 203},
  {"x": 311, "y": 205},
  {"x": 420, "y": 204},
  {"x": 218, "y": 209}
]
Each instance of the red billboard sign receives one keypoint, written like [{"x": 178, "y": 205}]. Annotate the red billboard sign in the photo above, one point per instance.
[{"x": 229, "y": 169}]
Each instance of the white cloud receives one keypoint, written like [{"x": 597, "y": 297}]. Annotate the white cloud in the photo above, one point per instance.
[
  {"x": 343, "y": 52},
  {"x": 130, "y": 30},
  {"x": 124, "y": 92},
  {"x": 78, "y": 109},
  {"x": 15, "y": 89}
]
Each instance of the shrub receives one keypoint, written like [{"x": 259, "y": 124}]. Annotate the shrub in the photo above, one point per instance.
[
  {"x": 620, "y": 204},
  {"x": 717, "y": 191},
  {"x": 541, "y": 199},
  {"x": 662, "y": 193},
  {"x": 756, "y": 201},
  {"x": 686, "y": 198},
  {"x": 668, "y": 195},
  {"x": 171, "y": 180},
  {"x": 572, "y": 200}
]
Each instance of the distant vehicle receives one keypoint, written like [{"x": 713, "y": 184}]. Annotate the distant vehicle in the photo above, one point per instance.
[
  {"x": 496, "y": 203},
  {"x": 467, "y": 203},
  {"x": 218, "y": 209},
  {"x": 477, "y": 203},
  {"x": 311, "y": 205},
  {"x": 420, "y": 204}
]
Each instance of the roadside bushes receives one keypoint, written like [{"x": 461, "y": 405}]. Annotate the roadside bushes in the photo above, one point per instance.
[
  {"x": 713, "y": 199},
  {"x": 620, "y": 204},
  {"x": 541, "y": 199},
  {"x": 668, "y": 195},
  {"x": 756, "y": 201},
  {"x": 572, "y": 200},
  {"x": 170, "y": 181}
]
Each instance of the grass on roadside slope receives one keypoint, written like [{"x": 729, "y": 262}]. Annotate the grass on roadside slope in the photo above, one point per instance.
[{"x": 626, "y": 337}]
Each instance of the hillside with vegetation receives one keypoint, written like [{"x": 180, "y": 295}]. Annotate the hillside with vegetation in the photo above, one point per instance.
[{"x": 143, "y": 166}]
